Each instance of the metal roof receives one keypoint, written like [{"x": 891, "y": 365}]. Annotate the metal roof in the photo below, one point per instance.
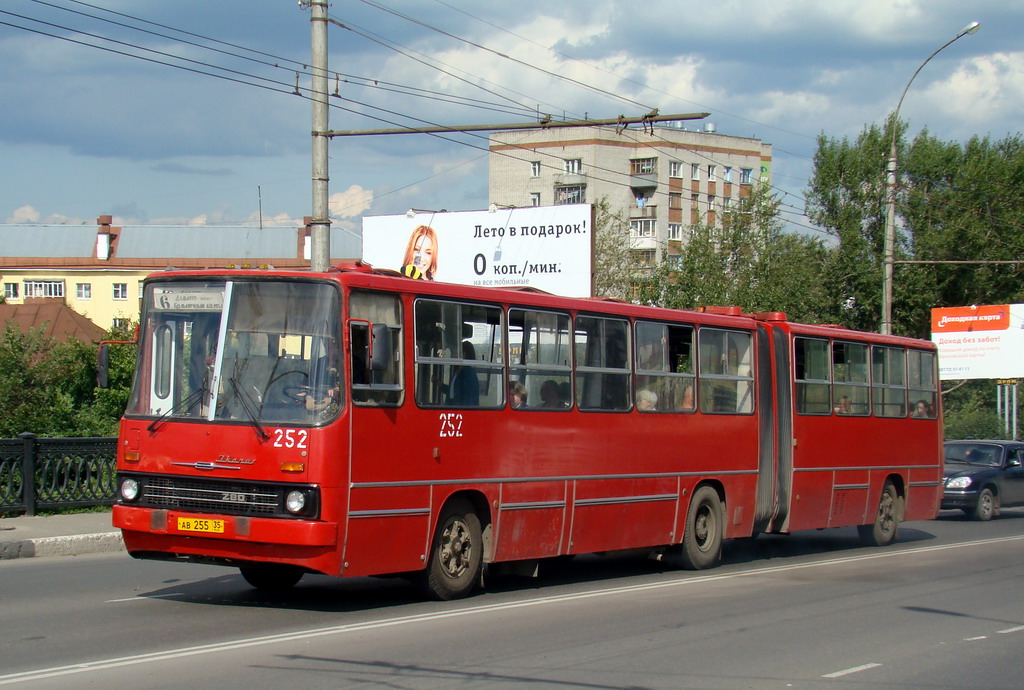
[{"x": 48, "y": 240}]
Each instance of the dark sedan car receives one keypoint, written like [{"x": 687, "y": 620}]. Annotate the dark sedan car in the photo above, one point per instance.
[{"x": 983, "y": 476}]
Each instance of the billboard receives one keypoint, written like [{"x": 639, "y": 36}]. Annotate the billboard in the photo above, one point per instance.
[
  {"x": 545, "y": 247},
  {"x": 979, "y": 342}
]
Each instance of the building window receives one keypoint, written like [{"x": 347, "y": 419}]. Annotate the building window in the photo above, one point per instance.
[
  {"x": 120, "y": 290},
  {"x": 570, "y": 195},
  {"x": 675, "y": 200},
  {"x": 44, "y": 288},
  {"x": 83, "y": 290},
  {"x": 643, "y": 166},
  {"x": 711, "y": 173},
  {"x": 727, "y": 175},
  {"x": 119, "y": 323},
  {"x": 643, "y": 257},
  {"x": 642, "y": 227},
  {"x": 573, "y": 166},
  {"x": 534, "y": 198},
  {"x": 10, "y": 291},
  {"x": 746, "y": 175},
  {"x": 535, "y": 169},
  {"x": 675, "y": 262},
  {"x": 675, "y": 169},
  {"x": 694, "y": 171},
  {"x": 675, "y": 231}
]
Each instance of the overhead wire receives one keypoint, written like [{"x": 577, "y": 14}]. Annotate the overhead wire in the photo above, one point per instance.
[{"x": 285, "y": 87}]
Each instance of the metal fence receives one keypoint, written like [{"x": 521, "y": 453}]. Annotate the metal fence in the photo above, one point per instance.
[{"x": 48, "y": 473}]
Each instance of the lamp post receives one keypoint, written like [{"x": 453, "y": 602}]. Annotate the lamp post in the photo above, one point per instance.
[{"x": 890, "y": 191}]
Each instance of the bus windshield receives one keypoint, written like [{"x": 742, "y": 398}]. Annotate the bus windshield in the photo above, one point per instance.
[{"x": 243, "y": 351}]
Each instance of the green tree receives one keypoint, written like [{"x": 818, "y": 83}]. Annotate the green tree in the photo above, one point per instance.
[
  {"x": 954, "y": 202},
  {"x": 48, "y": 386},
  {"x": 613, "y": 268},
  {"x": 750, "y": 262}
]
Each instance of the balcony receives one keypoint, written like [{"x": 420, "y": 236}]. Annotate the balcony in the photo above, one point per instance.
[
  {"x": 570, "y": 179},
  {"x": 643, "y": 180}
]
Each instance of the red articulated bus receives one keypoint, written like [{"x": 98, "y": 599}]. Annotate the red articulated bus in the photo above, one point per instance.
[{"x": 358, "y": 422}]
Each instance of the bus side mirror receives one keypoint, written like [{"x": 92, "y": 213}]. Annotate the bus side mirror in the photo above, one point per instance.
[
  {"x": 380, "y": 347},
  {"x": 103, "y": 366}
]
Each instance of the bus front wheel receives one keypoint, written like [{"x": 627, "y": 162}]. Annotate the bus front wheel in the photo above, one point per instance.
[
  {"x": 455, "y": 554},
  {"x": 702, "y": 540},
  {"x": 882, "y": 531}
]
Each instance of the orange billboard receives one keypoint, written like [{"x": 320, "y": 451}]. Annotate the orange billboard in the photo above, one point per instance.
[{"x": 979, "y": 342}]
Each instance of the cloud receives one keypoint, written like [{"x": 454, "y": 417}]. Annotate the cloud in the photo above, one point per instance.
[
  {"x": 351, "y": 202},
  {"x": 177, "y": 168},
  {"x": 24, "y": 214}
]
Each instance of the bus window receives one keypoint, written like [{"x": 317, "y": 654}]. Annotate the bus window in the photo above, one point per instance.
[
  {"x": 459, "y": 355},
  {"x": 602, "y": 363},
  {"x": 539, "y": 355},
  {"x": 889, "y": 381},
  {"x": 726, "y": 380},
  {"x": 664, "y": 367},
  {"x": 850, "y": 392},
  {"x": 922, "y": 384},
  {"x": 810, "y": 368},
  {"x": 372, "y": 386}
]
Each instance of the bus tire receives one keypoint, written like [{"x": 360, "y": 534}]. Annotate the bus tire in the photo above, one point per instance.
[
  {"x": 272, "y": 577},
  {"x": 702, "y": 538},
  {"x": 456, "y": 554},
  {"x": 882, "y": 531}
]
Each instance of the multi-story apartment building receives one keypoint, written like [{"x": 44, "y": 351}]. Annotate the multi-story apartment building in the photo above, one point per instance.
[
  {"x": 663, "y": 179},
  {"x": 98, "y": 270}
]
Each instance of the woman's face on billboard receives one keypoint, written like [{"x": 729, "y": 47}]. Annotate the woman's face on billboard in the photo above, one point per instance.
[{"x": 423, "y": 253}]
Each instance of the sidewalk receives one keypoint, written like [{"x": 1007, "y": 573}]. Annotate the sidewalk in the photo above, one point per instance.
[{"x": 58, "y": 535}]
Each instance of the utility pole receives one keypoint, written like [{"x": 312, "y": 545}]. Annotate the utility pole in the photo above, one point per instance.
[{"x": 320, "y": 225}]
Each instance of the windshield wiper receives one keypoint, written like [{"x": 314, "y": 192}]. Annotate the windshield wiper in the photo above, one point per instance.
[
  {"x": 185, "y": 403},
  {"x": 249, "y": 408}
]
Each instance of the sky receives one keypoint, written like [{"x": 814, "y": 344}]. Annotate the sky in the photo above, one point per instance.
[{"x": 186, "y": 112}]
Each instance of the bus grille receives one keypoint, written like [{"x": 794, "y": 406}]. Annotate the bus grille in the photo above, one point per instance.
[{"x": 212, "y": 496}]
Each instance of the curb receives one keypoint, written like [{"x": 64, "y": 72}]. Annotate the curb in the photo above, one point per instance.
[{"x": 74, "y": 545}]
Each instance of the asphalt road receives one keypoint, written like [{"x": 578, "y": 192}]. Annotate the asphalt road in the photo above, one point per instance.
[{"x": 943, "y": 608}]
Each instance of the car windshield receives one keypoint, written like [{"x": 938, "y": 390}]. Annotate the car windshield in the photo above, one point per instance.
[
  {"x": 974, "y": 453},
  {"x": 247, "y": 351}
]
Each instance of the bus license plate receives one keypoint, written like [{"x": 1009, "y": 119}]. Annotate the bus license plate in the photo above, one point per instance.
[{"x": 200, "y": 525}]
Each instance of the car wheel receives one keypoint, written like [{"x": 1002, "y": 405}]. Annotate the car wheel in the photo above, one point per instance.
[{"x": 985, "y": 508}]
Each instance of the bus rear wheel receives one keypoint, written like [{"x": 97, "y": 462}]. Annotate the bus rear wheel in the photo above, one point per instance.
[
  {"x": 882, "y": 531},
  {"x": 702, "y": 538},
  {"x": 455, "y": 554},
  {"x": 272, "y": 578}
]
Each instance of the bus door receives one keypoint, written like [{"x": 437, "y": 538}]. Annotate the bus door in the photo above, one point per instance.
[{"x": 775, "y": 422}]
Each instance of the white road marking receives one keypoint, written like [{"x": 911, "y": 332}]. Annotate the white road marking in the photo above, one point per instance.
[
  {"x": 249, "y": 642},
  {"x": 1016, "y": 628},
  {"x": 144, "y": 597},
  {"x": 848, "y": 671}
]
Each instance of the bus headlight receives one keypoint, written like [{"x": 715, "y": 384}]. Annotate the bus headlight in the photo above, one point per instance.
[
  {"x": 295, "y": 502},
  {"x": 129, "y": 489}
]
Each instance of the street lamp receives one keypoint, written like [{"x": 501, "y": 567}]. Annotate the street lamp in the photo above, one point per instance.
[{"x": 890, "y": 192}]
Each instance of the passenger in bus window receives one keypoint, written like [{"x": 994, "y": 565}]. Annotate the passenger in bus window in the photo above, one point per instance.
[
  {"x": 464, "y": 387},
  {"x": 687, "y": 403},
  {"x": 843, "y": 405},
  {"x": 549, "y": 395},
  {"x": 922, "y": 409},
  {"x": 516, "y": 394},
  {"x": 646, "y": 401}
]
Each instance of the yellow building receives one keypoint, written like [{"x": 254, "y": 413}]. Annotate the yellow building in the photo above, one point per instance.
[{"x": 98, "y": 271}]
